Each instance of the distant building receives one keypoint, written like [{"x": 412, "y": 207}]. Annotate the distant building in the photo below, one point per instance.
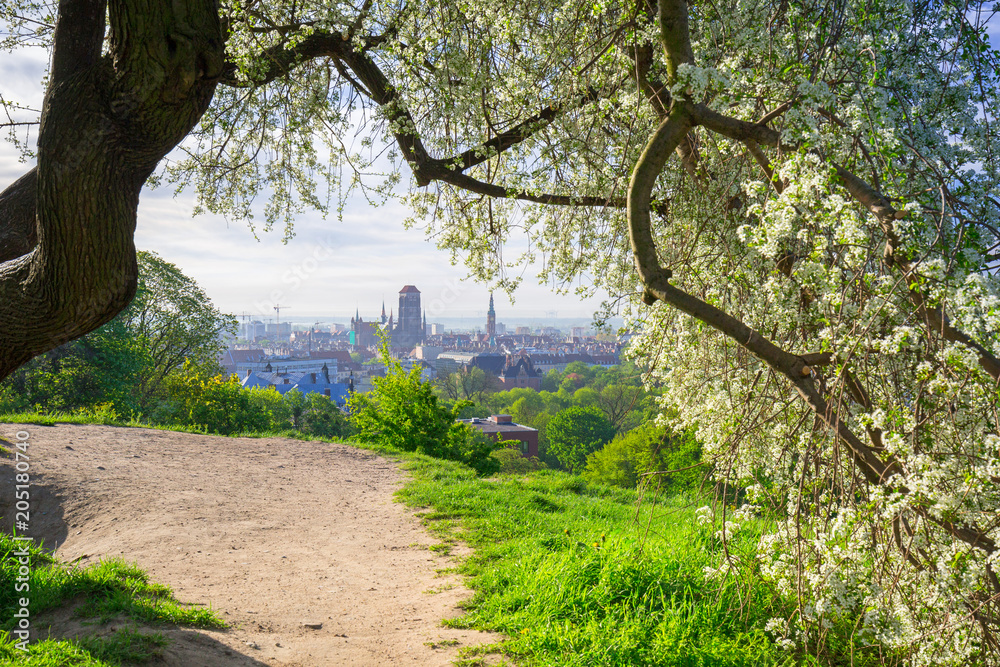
[
  {"x": 236, "y": 361},
  {"x": 520, "y": 372},
  {"x": 501, "y": 427},
  {"x": 409, "y": 332},
  {"x": 253, "y": 331},
  {"x": 427, "y": 352},
  {"x": 308, "y": 383},
  {"x": 279, "y": 331},
  {"x": 364, "y": 334},
  {"x": 240, "y": 362},
  {"x": 452, "y": 362},
  {"x": 491, "y": 322}
]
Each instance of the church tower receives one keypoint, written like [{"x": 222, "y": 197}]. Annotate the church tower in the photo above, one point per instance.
[
  {"x": 408, "y": 325},
  {"x": 491, "y": 321}
]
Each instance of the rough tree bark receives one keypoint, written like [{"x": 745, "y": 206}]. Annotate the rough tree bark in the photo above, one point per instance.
[{"x": 66, "y": 227}]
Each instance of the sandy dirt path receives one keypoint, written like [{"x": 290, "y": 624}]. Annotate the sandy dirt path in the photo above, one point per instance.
[{"x": 276, "y": 535}]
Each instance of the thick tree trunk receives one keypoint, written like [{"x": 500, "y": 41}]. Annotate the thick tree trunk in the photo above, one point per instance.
[{"x": 66, "y": 228}]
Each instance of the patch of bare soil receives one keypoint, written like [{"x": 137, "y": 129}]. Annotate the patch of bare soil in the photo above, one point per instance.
[{"x": 299, "y": 546}]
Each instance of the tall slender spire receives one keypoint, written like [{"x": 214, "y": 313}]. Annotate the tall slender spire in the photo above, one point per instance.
[{"x": 491, "y": 322}]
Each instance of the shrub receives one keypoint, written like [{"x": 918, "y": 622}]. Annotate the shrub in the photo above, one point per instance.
[
  {"x": 195, "y": 397},
  {"x": 648, "y": 449},
  {"x": 322, "y": 417},
  {"x": 402, "y": 412},
  {"x": 512, "y": 462}
]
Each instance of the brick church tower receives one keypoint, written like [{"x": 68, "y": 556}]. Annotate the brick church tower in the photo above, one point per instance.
[{"x": 409, "y": 331}]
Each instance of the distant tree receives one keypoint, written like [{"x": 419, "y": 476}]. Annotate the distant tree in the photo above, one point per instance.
[
  {"x": 624, "y": 405},
  {"x": 551, "y": 380},
  {"x": 470, "y": 384},
  {"x": 586, "y": 396},
  {"x": 526, "y": 409},
  {"x": 576, "y": 432},
  {"x": 172, "y": 319}
]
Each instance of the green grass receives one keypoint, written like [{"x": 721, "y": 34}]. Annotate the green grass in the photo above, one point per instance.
[
  {"x": 578, "y": 574},
  {"x": 111, "y": 589},
  {"x": 123, "y": 646},
  {"x": 575, "y": 575}
]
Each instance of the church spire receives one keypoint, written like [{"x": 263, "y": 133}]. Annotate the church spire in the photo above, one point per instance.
[{"x": 491, "y": 322}]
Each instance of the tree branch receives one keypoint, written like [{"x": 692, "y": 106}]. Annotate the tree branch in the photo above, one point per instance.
[
  {"x": 18, "y": 229},
  {"x": 78, "y": 38},
  {"x": 935, "y": 318},
  {"x": 105, "y": 124},
  {"x": 675, "y": 36}
]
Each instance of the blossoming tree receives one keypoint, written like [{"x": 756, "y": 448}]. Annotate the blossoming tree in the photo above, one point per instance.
[{"x": 796, "y": 199}]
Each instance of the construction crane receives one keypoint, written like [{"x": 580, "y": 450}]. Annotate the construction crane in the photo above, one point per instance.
[{"x": 277, "y": 325}]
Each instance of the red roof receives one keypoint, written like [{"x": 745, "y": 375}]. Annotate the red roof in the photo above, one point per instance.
[{"x": 409, "y": 289}]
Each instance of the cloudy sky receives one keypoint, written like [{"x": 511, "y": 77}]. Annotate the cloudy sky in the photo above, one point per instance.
[{"x": 328, "y": 269}]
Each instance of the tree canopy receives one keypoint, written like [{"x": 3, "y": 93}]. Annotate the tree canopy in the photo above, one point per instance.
[
  {"x": 172, "y": 319},
  {"x": 127, "y": 362},
  {"x": 796, "y": 202},
  {"x": 576, "y": 432}
]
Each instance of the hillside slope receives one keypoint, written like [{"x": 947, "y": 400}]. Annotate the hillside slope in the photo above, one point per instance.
[{"x": 272, "y": 533}]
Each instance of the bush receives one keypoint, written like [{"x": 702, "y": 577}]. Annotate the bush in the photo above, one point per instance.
[
  {"x": 648, "y": 449},
  {"x": 271, "y": 406},
  {"x": 322, "y": 417},
  {"x": 402, "y": 412},
  {"x": 512, "y": 462},
  {"x": 471, "y": 447},
  {"x": 195, "y": 397}
]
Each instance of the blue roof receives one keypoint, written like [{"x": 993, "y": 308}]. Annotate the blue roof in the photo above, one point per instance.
[
  {"x": 338, "y": 391},
  {"x": 253, "y": 380}
]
